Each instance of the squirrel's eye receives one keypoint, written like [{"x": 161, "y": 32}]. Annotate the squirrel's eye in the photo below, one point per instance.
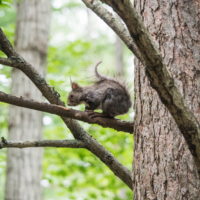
[{"x": 71, "y": 96}]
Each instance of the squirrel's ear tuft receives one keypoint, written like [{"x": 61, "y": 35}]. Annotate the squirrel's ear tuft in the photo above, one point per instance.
[{"x": 75, "y": 86}]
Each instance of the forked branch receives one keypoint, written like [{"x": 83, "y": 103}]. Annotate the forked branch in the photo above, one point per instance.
[{"x": 16, "y": 61}]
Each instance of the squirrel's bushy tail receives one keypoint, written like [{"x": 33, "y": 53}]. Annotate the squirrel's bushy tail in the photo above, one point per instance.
[{"x": 99, "y": 76}]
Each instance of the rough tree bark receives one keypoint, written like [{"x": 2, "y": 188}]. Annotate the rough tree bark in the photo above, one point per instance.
[
  {"x": 163, "y": 166},
  {"x": 24, "y": 166}
]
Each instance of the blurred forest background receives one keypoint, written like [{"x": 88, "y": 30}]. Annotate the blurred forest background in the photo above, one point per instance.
[{"x": 78, "y": 39}]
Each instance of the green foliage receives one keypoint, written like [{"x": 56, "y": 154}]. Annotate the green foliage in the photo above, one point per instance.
[
  {"x": 6, "y": 3},
  {"x": 72, "y": 173},
  {"x": 77, "y": 174},
  {"x": 7, "y": 15}
]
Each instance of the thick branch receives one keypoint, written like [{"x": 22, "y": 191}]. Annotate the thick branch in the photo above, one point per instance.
[
  {"x": 78, "y": 132},
  {"x": 43, "y": 143},
  {"x": 115, "y": 23},
  {"x": 6, "y": 61},
  {"x": 65, "y": 112},
  {"x": 159, "y": 77}
]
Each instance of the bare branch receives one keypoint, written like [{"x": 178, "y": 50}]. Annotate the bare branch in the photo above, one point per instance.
[
  {"x": 159, "y": 77},
  {"x": 5, "y": 45},
  {"x": 65, "y": 112},
  {"x": 115, "y": 23},
  {"x": 42, "y": 143},
  {"x": 78, "y": 132}
]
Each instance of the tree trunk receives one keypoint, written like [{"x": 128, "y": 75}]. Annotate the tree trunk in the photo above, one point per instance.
[
  {"x": 24, "y": 166},
  {"x": 163, "y": 166},
  {"x": 119, "y": 58}
]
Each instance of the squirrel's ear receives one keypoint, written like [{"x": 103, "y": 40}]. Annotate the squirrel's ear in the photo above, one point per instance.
[{"x": 75, "y": 86}]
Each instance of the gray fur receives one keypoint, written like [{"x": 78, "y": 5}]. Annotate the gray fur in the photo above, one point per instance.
[{"x": 106, "y": 94}]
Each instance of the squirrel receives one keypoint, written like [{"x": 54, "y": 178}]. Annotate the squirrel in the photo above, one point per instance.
[{"x": 106, "y": 94}]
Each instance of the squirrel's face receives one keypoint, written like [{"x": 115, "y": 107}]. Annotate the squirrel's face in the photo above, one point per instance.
[{"x": 75, "y": 95}]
